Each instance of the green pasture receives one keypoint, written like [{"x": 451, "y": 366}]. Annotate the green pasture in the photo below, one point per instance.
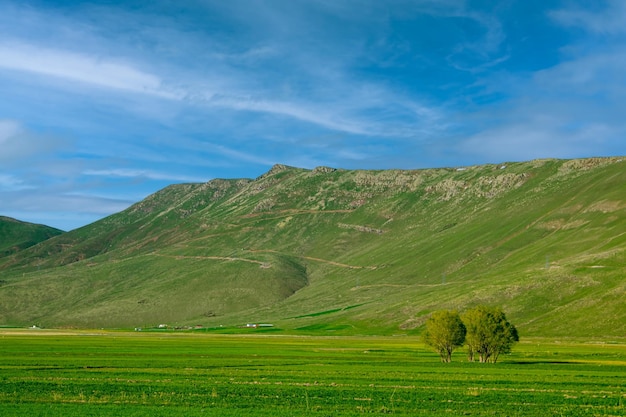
[{"x": 47, "y": 373}]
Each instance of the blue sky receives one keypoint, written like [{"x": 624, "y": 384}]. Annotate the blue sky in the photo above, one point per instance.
[{"x": 106, "y": 102}]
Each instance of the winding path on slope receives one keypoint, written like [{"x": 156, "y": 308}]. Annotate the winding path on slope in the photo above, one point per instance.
[
  {"x": 261, "y": 263},
  {"x": 310, "y": 258}
]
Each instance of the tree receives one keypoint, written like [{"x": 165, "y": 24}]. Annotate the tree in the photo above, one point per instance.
[
  {"x": 445, "y": 332},
  {"x": 489, "y": 333}
]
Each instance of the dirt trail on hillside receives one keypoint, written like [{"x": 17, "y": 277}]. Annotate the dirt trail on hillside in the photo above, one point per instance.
[
  {"x": 262, "y": 263},
  {"x": 282, "y": 213},
  {"x": 215, "y": 258},
  {"x": 310, "y": 258}
]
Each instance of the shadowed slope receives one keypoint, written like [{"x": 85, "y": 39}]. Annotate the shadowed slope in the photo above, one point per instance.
[{"x": 16, "y": 235}]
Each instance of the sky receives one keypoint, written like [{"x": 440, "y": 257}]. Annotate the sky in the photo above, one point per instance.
[{"x": 105, "y": 102}]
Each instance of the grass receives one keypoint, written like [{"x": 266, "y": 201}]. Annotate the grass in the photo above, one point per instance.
[
  {"x": 115, "y": 373},
  {"x": 352, "y": 252},
  {"x": 17, "y": 235}
]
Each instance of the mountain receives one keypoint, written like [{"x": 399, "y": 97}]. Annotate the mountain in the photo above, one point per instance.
[
  {"x": 340, "y": 251},
  {"x": 16, "y": 235}
]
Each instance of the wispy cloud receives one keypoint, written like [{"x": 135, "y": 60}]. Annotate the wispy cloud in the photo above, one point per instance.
[
  {"x": 80, "y": 67},
  {"x": 53, "y": 208},
  {"x": 12, "y": 183},
  {"x": 320, "y": 90},
  {"x": 140, "y": 173},
  {"x": 597, "y": 76},
  {"x": 571, "y": 108},
  {"x": 50, "y": 203},
  {"x": 17, "y": 144},
  {"x": 334, "y": 116},
  {"x": 481, "y": 52},
  {"x": 604, "y": 20},
  {"x": 101, "y": 99},
  {"x": 341, "y": 113},
  {"x": 536, "y": 139},
  {"x": 237, "y": 155},
  {"x": 8, "y": 130}
]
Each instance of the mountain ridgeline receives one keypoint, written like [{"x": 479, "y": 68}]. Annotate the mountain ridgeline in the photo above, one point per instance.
[{"x": 344, "y": 252}]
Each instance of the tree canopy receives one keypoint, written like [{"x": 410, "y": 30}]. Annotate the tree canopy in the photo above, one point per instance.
[
  {"x": 484, "y": 329},
  {"x": 445, "y": 332},
  {"x": 489, "y": 333}
]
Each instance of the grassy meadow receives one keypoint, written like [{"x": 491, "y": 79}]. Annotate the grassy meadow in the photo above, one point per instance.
[
  {"x": 53, "y": 373},
  {"x": 353, "y": 252}
]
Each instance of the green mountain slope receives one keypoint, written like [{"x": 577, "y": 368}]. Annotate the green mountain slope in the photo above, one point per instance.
[
  {"x": 345, "y": 252},
  {"x": 16, "y": 235}
]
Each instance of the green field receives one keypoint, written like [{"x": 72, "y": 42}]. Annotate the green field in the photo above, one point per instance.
[
  {"x": 190, "y": 374},
  {"x": 353, "y": 252}
]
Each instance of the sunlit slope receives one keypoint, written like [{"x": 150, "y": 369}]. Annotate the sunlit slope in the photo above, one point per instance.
[{"x": 346, "y": 251}]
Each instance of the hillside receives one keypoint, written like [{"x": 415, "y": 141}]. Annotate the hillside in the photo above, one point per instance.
[
  {"x": 345, "y": 252},
  {"x": 16, "y": 235}
]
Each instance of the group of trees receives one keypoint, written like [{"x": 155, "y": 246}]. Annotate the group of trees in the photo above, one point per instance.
[{"x": 485, "y": 330}]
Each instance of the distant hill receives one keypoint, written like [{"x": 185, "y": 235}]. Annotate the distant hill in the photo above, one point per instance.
[
  {"x": 16, "y": 235},
  {"x": 345, "y": 252}
]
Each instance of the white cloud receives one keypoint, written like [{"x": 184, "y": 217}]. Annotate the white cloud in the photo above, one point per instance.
[
  {"x": 301, "y": 111},
  {"x": 610, "y": 20},
  {"x": 18, "y": 144},
  {"x": 139, "y": 173},
  {"x": 83, "y": 68},
  {"x": 242, "y": 156},
  {"x": 339, "y": 112},
  {"x": 12, "y": 183},
  {"x": 588, "y": 74},
  {"x": 535, "y": 139},
  {"x": 483, "y": 52},
  {"x": 355, "y": 107},
  {"x": 572, "y": 109},
  {"x": 61, "y": 210},
  {"x": 8, "y": 130},
  {"x": 236, "y": 72}
]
